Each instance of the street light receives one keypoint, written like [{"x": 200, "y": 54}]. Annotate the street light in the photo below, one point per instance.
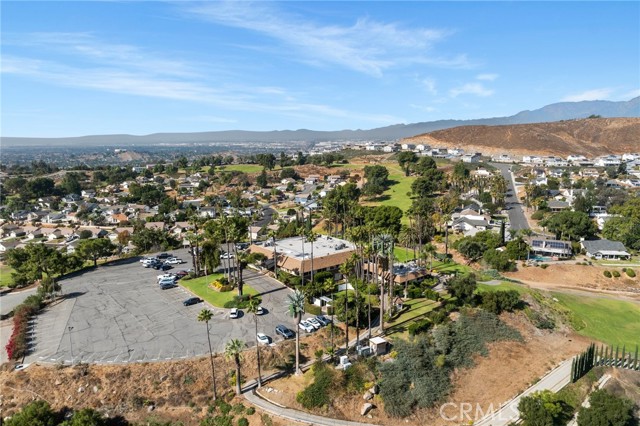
[{"x": 70, "y": 343}]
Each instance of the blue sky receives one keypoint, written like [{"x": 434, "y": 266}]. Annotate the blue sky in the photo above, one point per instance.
[{"x": 79, "y": 68}]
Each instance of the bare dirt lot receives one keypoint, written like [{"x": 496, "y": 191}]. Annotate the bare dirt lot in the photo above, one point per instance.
[{"x": 559, "y": 275}]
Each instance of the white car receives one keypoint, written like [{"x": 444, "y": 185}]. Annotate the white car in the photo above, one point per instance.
[
  {"x": 226, "y": 256},
  {"x": 235, "y": 313},
  {"x": 315, "y": 323},
  {"x": 166, "y": 277},
  {"x": 259, "y": 311},
  {"x": 174, "y": 261},
  {"x": 304, "y": 325},
  {"x": 263, "y": 339}
]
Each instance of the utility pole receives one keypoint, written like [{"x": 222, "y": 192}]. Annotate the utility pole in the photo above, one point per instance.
[{"x": 70, "y": 344}]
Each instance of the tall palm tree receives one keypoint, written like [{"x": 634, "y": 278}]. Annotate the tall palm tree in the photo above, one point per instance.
[
  {"x": 233, "y": 350},
  {"x": 429, "y": 250},
  {"x": 295, "y": 304},
  {"x": 272, "y": 235},
  {"x": 254, "y": 303},
  {"x": 205, "y": 315},
  {"x": 311, "y": 237}
]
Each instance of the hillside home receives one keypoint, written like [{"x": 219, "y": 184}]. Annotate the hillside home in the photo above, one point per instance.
[
  {"x": 408, "y": 147},
  {"x": 589, "y": 173},
  {"x": 608, "y": 161},
  {"x": 8, "y": 245},
  {"x": 553, "y": 248},
  {"x": 605, "y": 249},
  {"x": 558, "y": 206},
  {"x": 471, "y": 158},
  {"x": 422, "y": 147},
  {"x": 334, "y": 179},
  {"x": 455, "y": 152},
  {"x": 502, "y": 158},
  {"x": 312, "y": 179},
  {"x": 390, "y": 148}
]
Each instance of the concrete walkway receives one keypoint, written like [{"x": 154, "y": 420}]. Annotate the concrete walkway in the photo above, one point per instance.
[
  {"x": 555, "y": 380},
  {"x": 295, "y": 415}
]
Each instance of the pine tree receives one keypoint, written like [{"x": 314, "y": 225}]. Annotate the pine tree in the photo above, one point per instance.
[
  {"x": 624, "y": 355},
  {"x": 635, "y": 362},
  {"x": 616, "y": 358},
  {"x": 573, "y": 371}
]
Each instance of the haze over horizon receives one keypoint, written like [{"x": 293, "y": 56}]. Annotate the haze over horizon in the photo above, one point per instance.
[{"x": 89, "y": 68}]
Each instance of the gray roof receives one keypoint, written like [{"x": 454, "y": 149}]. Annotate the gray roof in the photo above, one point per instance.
[
  {"x": 595, "y": 246},
  {"x": 558, "y": 204}
]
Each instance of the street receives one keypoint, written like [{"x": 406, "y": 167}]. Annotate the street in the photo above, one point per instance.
[{"x": 516, "y": 213}]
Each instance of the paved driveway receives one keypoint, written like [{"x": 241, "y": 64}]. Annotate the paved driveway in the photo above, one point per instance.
[{"x": 118, "y": 313}]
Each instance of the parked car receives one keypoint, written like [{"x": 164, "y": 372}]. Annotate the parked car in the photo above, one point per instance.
[
  {"x": 165, "y": 267},
  {"x": 304, "y": 325},
  {"x": 285, "y": 332},
  {"x": 192, "y": 301},
  {"x": 226, "y": 256},
  {"x": 164, "y": 255},
  {"x": 174, "y": 261},
  {"x": 323, "y": 320},
  {"x": 314, "y": 322},
  {"x": 260, "y": 311},
  {"x": 165, "y": 276},
  {"x": 235, "y": 313},
  {"x": 181, "y": 274},
  {"x": 167, "y": 281},
  {"x": 167, "y": 285},
  {"x": 263, "y": 339}
]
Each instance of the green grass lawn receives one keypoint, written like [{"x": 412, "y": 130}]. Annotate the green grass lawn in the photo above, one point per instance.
[
  {"x": 5, "y": 275},
  {"x": 417, "y": 309},
  {"x": 396, "y": 195},
  {"x": 246, "y": 168},
  {"x": 200, "y": 287},
  {"x": 615, "y": 322},
  {"x": 452, "y": 267}
]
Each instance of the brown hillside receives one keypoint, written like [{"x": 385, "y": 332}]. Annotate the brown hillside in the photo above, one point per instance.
[{"x": 590, "y": 137}]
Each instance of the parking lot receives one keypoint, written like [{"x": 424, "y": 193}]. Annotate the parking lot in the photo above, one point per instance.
[{"x": 118, "y": 313}]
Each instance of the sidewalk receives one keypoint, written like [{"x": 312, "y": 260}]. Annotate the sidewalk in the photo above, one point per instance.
[
  {"x": 555, "y": 380},
  {"x": 298, "y": 416}
]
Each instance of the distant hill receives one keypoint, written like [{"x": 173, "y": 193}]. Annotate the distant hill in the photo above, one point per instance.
[
  {"x": 554, "y": 112},
  {"x": 590, "y": 137}
]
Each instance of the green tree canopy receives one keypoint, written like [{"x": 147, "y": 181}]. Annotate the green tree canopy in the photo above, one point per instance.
[
  {"x": 606, "y": 409},
  {"x": 95, "y": 248},
  {"x": 36, "y": 413},
  {"x": 571, "y": 225},
  {"x": 463, "y": 287}
]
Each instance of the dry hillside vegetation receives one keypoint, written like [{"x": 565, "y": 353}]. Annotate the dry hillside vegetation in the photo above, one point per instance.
[{"x": 590, "y": 137}]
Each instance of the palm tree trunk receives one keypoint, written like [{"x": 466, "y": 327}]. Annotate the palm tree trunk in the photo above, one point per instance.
[
  {"x": 213, "y": 369},
  {"x": 255, "y": 317},
  {"x": 238, "y": 377},
  {"x": 297, "y": 322},
  {"x": 346, "y": 320}
]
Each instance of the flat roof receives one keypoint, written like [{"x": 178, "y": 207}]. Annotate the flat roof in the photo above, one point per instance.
[{"x": 323, "y": 246}]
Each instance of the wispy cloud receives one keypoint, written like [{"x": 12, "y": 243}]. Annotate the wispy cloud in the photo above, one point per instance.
[
  {"x": 476, "y": 89},
  {"x": 430, "y": 85},
  {"x": 365, "y": 46},
  {"x": 486, "y": 77},
  {"x": 589, "y": 95}
]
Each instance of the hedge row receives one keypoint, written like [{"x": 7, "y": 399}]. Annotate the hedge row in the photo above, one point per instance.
[{"x": 18, "y": 343}]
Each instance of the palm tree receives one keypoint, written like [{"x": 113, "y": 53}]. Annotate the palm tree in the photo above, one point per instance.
[
  {"x": 429, "y": 250},
  {"x": 233, "y": 350},
  {"x": 295, "y": 305},
  {"x": 206, "y": 315},
  {"x": 311, "y": 237},
  {"x": 254, "y": 303},
  {"x": 272, "y": 235}
]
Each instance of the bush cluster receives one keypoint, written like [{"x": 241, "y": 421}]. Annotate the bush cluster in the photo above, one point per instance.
[
  {"x": 221, "y": 286},
  {"x": 419, "y": 327},
  {"x": 498, "y": 301},
  {"x": 630, "y": 273},
  {"x": 18, "y": 343},
  {"x": 607, "y": 274},
  {"x": 615, "y": 274},
  {"x": 317, "y": 393}
]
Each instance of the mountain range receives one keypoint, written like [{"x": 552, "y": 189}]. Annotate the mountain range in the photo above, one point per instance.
[{"x": 549, "y": 113}]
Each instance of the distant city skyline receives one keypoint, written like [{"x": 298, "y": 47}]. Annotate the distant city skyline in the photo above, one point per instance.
[{"x": 86, "y": 68}]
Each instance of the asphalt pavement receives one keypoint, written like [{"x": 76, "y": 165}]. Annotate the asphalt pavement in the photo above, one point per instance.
[
  {"x": 516, "y": 212},
  {"x": 118, "y": 313}
]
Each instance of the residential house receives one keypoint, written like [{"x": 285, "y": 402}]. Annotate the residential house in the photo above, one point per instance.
[
  {"x": 553, "y": 248},
  {"x": 88, "y": 193},
  {"x": 390, "y": 148},
  {"x": 471, "y": 158},
  {"x": 312, "y": 179},
  {"x": 558, "y": 206},
  {"x": 455, "y": 152},
  {"x": 503, "y": 158},
  {"x": 589, "y": 173},
  {"x": 605, "y": 249},
  {"x": 422, "y": 147},
  {"x": 8, "y": 245},
  {"x": 408, "y": 147},
  {"x": 334, "y": 179}
]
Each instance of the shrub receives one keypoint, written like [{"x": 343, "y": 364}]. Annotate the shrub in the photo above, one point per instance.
[
  {"x": 419, "y": 327},
  {"x": 242, "y": 421},
  {"x": 615, "y": 274},
  {"x": 607, "y": 274},
  {"x": 221, "y": 286},
  {"x": 630, "y": 272},
  {"x": 537, "y": 215},
  {"x": 544, "y": 266},
  {"x": 225, "y": 407},
  {"x": 250, "y": 411},
  {"x": 431, "y": 294},
  {"x": 498, "y": 301},
  {"x": 312, "y": 309},
  {"x": 317, "y": 393}
]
